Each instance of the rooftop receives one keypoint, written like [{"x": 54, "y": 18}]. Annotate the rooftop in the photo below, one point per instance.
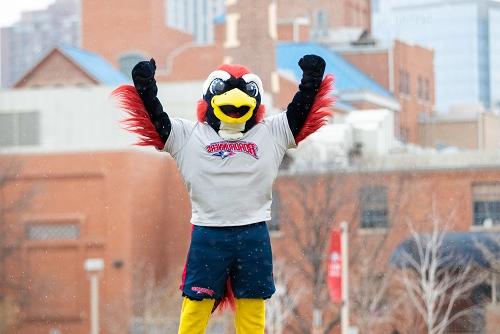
[
  {"x": 94, "y": 65},
  {"x": 347, "y": 76}
]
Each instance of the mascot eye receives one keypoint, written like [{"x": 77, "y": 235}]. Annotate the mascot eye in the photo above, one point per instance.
[
  {"x": 252, "y": 89},
  {"x": 217, "y": 86}
]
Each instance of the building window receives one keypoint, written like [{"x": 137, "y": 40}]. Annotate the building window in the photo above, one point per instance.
[
  {"x": 37, "y": 231},
  {"x": 420, "y": 88},
  {"x": 373, "y": 204},
  {"x": 427, "y": 90},
  {"x": 486, "y": 204},
  {"x": 404, "y": 82},
  {"x": 19, "y": 129},
  {"x": 128, "y": 61},
  {"x": 274, "y": 224},
  {"x": 423, "y": 90}
]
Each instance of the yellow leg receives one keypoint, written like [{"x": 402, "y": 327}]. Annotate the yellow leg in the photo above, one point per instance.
[
  {"x": 195, "y": 315},
  {"x": 250, "y": 316}
]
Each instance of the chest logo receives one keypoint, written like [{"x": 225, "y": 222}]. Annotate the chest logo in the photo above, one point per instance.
[{"x": 225, "y": 149}]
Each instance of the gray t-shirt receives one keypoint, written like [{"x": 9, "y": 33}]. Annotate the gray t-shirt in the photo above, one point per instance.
[{"x": 229, "y": 182}]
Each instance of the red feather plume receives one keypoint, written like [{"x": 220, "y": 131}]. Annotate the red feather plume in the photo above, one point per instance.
[
  {"x": 261, "y": 112},
  {"x": 320, "y": 111},
  {"x": 138, "y": 120},
  {"x": 229, "y": 300},
  {"x": 201, "y": 110}
]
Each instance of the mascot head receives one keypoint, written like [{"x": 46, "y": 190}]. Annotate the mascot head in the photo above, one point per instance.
[{"x": 231, "y": 102}]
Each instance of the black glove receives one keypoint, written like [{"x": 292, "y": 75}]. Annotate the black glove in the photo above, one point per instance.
[
  {"x": 313, "y": 68},
  {"x": 143, "y": 75}
]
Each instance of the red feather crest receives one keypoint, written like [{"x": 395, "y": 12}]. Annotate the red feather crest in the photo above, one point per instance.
[
  {"x": 321, "y": 109},
  {"x": 235, "y": 70},
  {"x": 138, "y": 121}
]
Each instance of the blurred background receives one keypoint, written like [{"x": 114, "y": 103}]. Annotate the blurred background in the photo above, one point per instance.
[{"x": 94, "y": 231}]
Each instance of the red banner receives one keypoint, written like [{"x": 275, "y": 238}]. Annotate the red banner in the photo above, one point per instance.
[{"x": 334, "y": 268}]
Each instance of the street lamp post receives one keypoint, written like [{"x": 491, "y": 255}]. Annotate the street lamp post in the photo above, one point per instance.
[{"x": 94, "y": 267}]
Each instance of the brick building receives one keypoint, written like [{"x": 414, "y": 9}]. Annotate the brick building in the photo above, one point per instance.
[
  {"x": 323, "y": 16},
  {"x": 113, "y": 204},
  {"x": 405, "y": 70},
  {"x": 246, "y": 29},
  {"x": 378, "y": 200},
  {"x": 108, "y": 205},
  {"x": 63, "y": 221},
  {"x": 466, "y": 127},
  {"x": 131, "y": 209},
  {"x": 70, "y": 66},
  {"x": 137, "y": 31},
  {"x": 35, "y": 34}
]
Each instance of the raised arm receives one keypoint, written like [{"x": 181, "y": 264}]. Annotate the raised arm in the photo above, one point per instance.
[
  {"x": 313, "y": 104},
  {"x": 143, "y": 76}
]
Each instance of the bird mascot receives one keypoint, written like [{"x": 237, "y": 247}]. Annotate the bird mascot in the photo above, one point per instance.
[{"x": 229, "y": 160}]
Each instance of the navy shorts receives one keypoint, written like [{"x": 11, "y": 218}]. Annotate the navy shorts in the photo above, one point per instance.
[{"x": 241, "y": 253}]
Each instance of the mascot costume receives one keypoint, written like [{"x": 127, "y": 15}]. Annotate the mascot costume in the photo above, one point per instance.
[{"x": 228, "y": 159}]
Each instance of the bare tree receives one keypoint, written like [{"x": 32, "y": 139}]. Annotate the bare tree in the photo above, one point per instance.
[
  {"x": 10, "y": 302},
  {"x": 279, "y": 309},
  {"x": 308, "y": 216},
  {"x": 373, "y": 304},
  {"x": 435, "y": 282},
  {"x": 307, "y": 222},
  {"x": 155, "y": 301},
  {"x": 370, "y": 303},
  {"x": 488, "y": 243}
]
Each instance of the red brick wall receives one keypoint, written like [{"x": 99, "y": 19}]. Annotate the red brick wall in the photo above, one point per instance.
[
  {"x": 416, "y": 62},
  {"x": 413, "y": 197},
  {"x": 343, "y": 13},
  {"x": 365, "y": 62},
  {"x": 55, "y": 70},
  {"x": 256, "y": 48},
  {"x": 113, "y": 28},
  {"x": 131, "y": 208},
  {"x": 286, "y": 33},
  {"x": 194, "y": 63}
]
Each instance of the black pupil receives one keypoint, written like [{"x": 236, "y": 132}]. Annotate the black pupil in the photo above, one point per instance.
[
  {"x": 252, "y": 89},
  {"x": 217, "y": 86}
]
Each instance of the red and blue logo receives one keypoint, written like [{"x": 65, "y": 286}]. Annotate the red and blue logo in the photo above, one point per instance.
[{"x": 226, "y": 149}]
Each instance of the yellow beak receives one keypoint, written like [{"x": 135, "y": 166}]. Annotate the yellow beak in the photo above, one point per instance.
[{"x": 236, "y": 98}]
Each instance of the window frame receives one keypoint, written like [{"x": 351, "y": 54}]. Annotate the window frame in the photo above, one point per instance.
[
  {"x": 488, "y": 194},
  {"x": 368, "y": 205},
  {"x": 20, "y": 128},
  {"x": 131, "y": 58}
]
